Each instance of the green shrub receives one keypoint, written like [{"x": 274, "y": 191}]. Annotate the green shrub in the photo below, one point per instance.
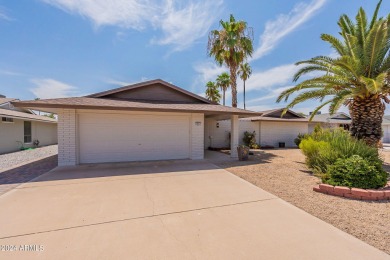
[
  {"x": 249, "y": 140},
  {"x": 356, "y": 172},
  {"x": 313, "y": 149},
  {"x": 325, "y": 147},
  {"x": 299, "y": 139},
  {"x": 317, "y": 128}
]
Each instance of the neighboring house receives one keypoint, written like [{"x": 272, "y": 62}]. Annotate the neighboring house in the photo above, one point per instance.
[
  {"x": 20, "y": 127},
  {"x": 271, "y": 129},
  {"x": 386, "y": 129},
  {"x": 330, "y": 121},
  {"x": 153, "y": 120},
  {"x": 344, "y": 120}
]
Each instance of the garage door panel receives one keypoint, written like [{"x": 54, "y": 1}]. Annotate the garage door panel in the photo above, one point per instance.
[{"x": 118, "y": 138}]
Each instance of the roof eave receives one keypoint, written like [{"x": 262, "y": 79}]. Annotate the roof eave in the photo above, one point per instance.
[{"x": 65, "y": 106}]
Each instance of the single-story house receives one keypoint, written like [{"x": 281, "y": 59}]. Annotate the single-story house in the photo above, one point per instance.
[
  {"x": 330, "y": 121},
  {"x": 20, "y": 127},
  {"x": 271, "y": 129},
  {"x": 344, "y": 120},
  {"x": 152, "y": 120}
]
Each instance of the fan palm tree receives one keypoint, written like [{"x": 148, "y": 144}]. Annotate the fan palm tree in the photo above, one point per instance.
[
  {"x": 212, "y": 92},
  {"x": 231, "y": 46},
  {"x": 244, "y": 72},
  {"x": 358, "y": 78},
  {"x": 223, "y": 81}
]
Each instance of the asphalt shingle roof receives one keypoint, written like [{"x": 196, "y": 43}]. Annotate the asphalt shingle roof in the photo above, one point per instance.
[
  {"x": 118, "y": 104},
  {"x": 17, "y": 114}
]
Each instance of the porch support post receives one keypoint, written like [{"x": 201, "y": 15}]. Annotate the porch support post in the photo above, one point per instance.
[{"x": 234, "y": 136}]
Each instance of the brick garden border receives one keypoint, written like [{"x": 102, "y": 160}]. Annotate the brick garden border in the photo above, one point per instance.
[{"x": 353, "y": 193}]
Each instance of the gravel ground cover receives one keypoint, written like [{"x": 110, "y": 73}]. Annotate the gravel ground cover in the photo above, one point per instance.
[
  {"x": 14, "y": 159},
  {"x": 284, "y": 174}
]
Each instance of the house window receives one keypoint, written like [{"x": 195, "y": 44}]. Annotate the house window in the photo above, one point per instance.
[
  {"x": 7, "y": 120},
  {"x": 27, "y": 132}
]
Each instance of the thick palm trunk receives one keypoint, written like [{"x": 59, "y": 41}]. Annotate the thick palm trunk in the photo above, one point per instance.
[
  {"x": 233, "y": 84},
  {"x": 367, "y": 115},
  {"x": 224, "y": 97}
]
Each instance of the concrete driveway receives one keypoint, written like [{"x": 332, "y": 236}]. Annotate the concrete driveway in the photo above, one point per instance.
[{"x": 162, "y": 210}]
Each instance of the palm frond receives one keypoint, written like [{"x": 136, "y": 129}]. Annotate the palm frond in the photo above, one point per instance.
[
  {"x": 338, "y": 100},
  {"x": 335, "y": 43},
  {"x": 375, "y": 15},
  {"x": 318, "y": 109}
]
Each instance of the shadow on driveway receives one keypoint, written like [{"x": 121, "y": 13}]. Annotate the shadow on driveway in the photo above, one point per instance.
[{"x": 9, "y": 179}]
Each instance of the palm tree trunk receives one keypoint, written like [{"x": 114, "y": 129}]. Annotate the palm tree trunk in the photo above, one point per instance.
[
  {"x": 224, "y": 97},
  {"x": 244, "y": 96},
  {"x": 367, "y": 115},
  {"x": 233, "y": 84}
]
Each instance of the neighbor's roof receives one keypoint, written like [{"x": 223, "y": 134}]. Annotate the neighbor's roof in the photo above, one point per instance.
[
  {"x": 120, "y": 104},
  {"x": 6, "y": 100},
  {"x": 276, "y": 119},
  {"x": 338, "y": 118},
  {"x": 271, "y": 111},
  {"x": 267, "y": 116},
  {"x": 21, "y": 115}
]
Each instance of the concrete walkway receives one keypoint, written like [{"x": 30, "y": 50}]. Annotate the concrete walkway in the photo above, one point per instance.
[{"x": 162, "y": 210}]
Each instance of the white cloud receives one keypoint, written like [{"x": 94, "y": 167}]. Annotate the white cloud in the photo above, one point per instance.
[
  {"x": 122, "y": 83},
  {"x": 275, "y": 31},
  {"x": 124, "y": 13},
  {"x": 208, "y": 71},
  {"x": 181, "y": 22},
  {"x": 4, "y": 15},
  {"x": 188, "y": 24},
  {"x": 276, "y": 76},
  {"x": 261, "y": 107},
  {"x": 285, "y": 24},
  {"x": 117, "y": 82},
  {"x": 273, "y": 94},
  {"x": 10, "y": 73},
  {"x": 50, "y": 88}
]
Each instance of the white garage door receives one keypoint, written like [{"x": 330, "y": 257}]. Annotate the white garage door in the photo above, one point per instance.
[{"x": 129, "y": 137}]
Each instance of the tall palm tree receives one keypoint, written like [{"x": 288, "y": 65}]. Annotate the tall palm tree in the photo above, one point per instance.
[
  {"x": 223, "y": 81},
  {"x": 231, "y": 46},
  {"x": 244, "y": 72},
  {"x": 212, "y": 92},
  {"x": 359, "y": 78}
]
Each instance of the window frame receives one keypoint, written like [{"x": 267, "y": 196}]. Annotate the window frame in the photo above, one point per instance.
[
  {"x": 29, "y": 141},
  {"x": 8, "y": 120}
]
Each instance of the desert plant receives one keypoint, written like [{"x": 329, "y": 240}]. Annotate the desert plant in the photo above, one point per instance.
[
  {"x": 244, "y": 72},
  {"x": 317, "y": 128},
  {"x": 356, "y": 172},
  {"x": 312, "y": 149},
  {"x": 231, "y": 46},
  {"x": 359, "y": 77},
  {"x": 212, "y": 92},
  {"x": 299, "y": 139},
  {"x": 323, "y": 148},
  {"x": 249, "y": 140},
  {"x": 344, "y": 146},
  {"x": 223, "y": 81}
]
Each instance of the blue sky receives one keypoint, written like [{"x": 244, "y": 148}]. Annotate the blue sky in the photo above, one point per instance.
[{"x": 60, "y": 48}]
